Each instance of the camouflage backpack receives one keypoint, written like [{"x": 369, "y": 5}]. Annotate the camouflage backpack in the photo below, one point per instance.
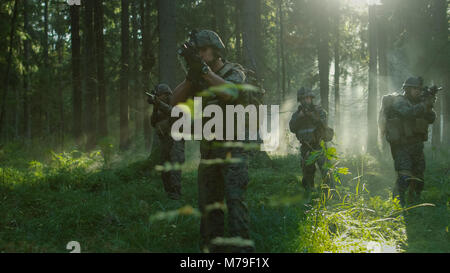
[
  {"x": 386, "y": 103},
  {"x": 246, "y": 97}
]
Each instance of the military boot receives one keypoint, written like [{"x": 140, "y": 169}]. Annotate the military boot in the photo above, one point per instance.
[{"x": 418, "y": 187}]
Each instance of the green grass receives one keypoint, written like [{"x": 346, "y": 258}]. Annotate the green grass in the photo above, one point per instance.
[{"x": 116, "y": 205}]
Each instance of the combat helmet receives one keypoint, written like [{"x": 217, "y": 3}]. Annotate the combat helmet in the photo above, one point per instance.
[
  {"x": 413, "y": 82},
  {"x": 162, "y": 89},
  {"x": 206, "y": 37},
  {"x": 304, "y": 92}
]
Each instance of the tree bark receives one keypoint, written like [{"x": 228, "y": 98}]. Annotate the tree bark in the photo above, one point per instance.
[
  {"x": 76, "y": 71},
  {"x": 45, "y": 95},
  {"x": 337, "y": 97},
  {"x": 100, "y": 58},
  {"x": 238, "y": 29},
  {"x": 148, "y": 62},
  {"x": 8, "y": 66},
  {"x": 382, "y": 44},
  {"x": 91, "y": 98},
  {"x": 323, "y": 53},
  {"x": 167, "y": 42},
  {"x": 282, "y": 55},
  {"x": 124, "y": 131},
  {"x": 440, "y": 69},
  {"x": 137, "y": 87},
  {"x": 372, "y": 98},
  {"x": 249, "y": 19},
  {"x": 26, "y": 73}
]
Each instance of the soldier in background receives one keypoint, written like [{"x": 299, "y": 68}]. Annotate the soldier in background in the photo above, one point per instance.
[
  {"x": 309, "y": 124},
  {"x": 404, "y": 120},
  {"x": 170, "y": 150}
]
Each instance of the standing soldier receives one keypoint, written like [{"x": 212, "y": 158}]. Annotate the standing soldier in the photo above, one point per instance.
[
  {"x": 404, "y": 120},
  {"x": 171, "y": 151},
  {"x": 207, "y": 67},
  {"x": 309, "y": 124}
]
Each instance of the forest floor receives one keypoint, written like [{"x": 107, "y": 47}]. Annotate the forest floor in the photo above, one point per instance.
[{"x": 110, "y": 202}]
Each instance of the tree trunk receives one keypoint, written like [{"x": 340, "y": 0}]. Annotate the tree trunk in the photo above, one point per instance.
[
  {"x": 91, "y": 98},
  {"x": 60, "y": 42},
  {"x": 45, "y": 94},
  {"x": 147, "y": 63},
  {"x": 282, "y": 56},
  {"x": 372, "y": 98},
  {"x": 8, "y": 66},
  {"x": 76, "y": 72},
  {"x": 167, "y": 42},
  {"x": 26, "y": 73},
  {"x": 100, "y": 58},
  {"x": 337, "y": 97},
  {"x": 124, "y": 133},
  {"x": 137, "y": 86},
  {"x": 249, "y": 19},
  {"x": 238, "y": 30},
  {"x": 440, "y": 68},
  {"x": 382, "y": 43},
  {"x": 220, "y": 10},
  {"x": 323, "y": 53}
]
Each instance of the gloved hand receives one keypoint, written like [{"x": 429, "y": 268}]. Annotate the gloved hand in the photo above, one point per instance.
[
  {"x": 429, "y": 102},
  {"x": 151, "y": 100},
  {"x": 196, "y": 70}
]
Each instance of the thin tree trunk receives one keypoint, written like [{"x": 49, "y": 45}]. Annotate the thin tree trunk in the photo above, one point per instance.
[
  {"x": 124, "y": 131},
  {"x": 382, "y": 43},
  {"x": 323, "y": 54},
  {"x": 45, "y": 94},
  {"x": 76, "y": 71},
  {"x": 441, "y": 71},
  {"x": 372, "y": 98},
  {"x": 60, "y": 42},
  {"x": 337, "y": 74},
  {"x": 26, "y": 76},
  {"x": 100, "y": 56},
  {"x": 238, "y": 30},
  {"x": 282, "y": 55},
  {"x": 91, "y": 98},
  {"x": 248, "y": 20},
  {"x": 8, "y": 66},
  {"x": 167, "y": 42},
  {"x": 220, "y": 19},
  {"x": 147, "y": 64},
  {"x": 137, "y": 87}
]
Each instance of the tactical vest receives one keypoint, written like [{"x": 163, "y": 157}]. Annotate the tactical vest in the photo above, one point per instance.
[
  {"x": 308, "y": 130},
  {"x": 400, "y": 129}
]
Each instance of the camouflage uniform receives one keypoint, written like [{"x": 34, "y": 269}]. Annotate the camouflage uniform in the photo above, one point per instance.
[
  {"x": 309, "y": 131},
  {"x": 170, "y": 150},
  {"x": 228, "y": 180},
  {"x": 406, "y": 128}
]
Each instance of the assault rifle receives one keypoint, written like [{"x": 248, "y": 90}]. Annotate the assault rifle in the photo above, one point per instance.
[{"x": 153, "y": 99}]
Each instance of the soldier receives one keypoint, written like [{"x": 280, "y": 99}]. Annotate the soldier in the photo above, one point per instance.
[
  {"x": 404, "y": 119},
  {"x": 309, "y": 124},
  {"x": 224, "y": 180},
  {"x": 171, "y": 151}
]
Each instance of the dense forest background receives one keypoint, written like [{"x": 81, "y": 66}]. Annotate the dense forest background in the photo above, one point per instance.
[
  {"x": 79, "y": 72},
  {"x": 75, "y": 132}
]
